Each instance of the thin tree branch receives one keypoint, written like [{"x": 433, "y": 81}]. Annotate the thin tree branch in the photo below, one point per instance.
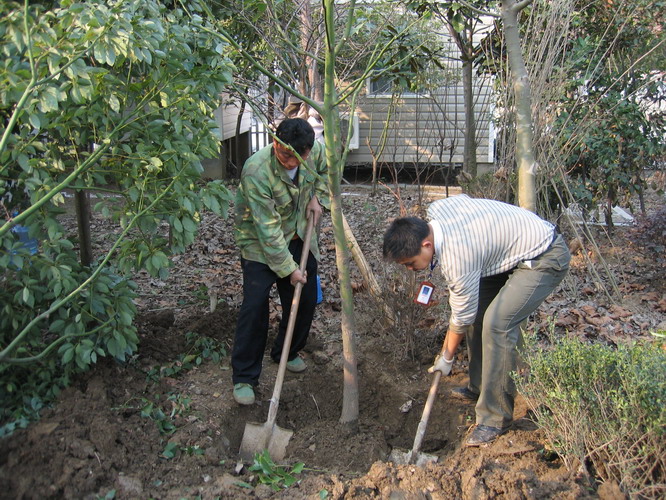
[
  {"x": 47, "y": 350},
  {"x": 518, "y": 6},
  {"x": 481, "y": 12},
  {"x": 348, "y": 28}
]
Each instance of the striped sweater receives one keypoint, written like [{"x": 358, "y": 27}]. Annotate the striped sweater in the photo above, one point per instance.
[{"x": 475, "y": 238}]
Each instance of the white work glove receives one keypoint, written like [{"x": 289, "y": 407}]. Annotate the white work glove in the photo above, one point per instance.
[{"x": 442, "y": 365}]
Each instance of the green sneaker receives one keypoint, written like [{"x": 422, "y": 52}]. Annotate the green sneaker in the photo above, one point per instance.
[
  {"x": 244, "y": 394},
  {"x": 296, "y": 365}
]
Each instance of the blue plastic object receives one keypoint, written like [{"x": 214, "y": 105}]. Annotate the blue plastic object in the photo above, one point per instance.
[
  {"x": 25, "y": 242},
  {"x": 320, "y": 295},
  {"x": 30, "y": 244}
]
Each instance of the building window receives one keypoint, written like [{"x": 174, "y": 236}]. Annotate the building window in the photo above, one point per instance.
[
  {"x": 379, "y": 86},
  {"x": 383, "y": 86}
]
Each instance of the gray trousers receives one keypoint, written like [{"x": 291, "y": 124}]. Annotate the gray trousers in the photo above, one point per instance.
[{"x": 505, "y": 301}]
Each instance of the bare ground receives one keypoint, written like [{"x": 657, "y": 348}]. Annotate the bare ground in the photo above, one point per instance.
[{"x": 95, "y": 443}]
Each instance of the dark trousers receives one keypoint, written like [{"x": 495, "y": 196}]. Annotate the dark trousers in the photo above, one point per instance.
[{"x": 252, "y": 326}]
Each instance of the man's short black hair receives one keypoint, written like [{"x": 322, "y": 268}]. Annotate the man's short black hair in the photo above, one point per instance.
[
  {"x": 297, "y": 133},
  {"x": 403, "y": 238}
]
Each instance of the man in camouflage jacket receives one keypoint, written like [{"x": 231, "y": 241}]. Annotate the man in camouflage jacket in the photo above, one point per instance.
[{"x": 275, "y": 196}]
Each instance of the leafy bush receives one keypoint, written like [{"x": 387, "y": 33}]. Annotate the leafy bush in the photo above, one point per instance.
[
  {"x": 603, "y": 409},
  {"x": 608, "y": 161},
  {"x": 610, "y": 120},
  {"x": 95, "y": 320},
  {"x": 110, "y": 98}
]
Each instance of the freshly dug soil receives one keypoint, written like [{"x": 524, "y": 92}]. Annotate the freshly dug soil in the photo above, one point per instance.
[{"x": 102, "y": 438}]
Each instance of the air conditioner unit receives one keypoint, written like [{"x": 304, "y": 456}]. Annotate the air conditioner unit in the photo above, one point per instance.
[{"x": 344, "y": 127}]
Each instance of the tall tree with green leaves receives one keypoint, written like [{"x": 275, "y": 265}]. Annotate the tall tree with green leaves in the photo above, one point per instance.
[{"x": 611, "y": 114}]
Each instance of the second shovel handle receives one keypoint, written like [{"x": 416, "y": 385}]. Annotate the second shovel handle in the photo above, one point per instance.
[{"x": 286, "y": 346}]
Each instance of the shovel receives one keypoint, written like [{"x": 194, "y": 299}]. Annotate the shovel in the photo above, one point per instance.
[
  {"x": 414, "y": 456},
  {"x": 268, "y": 436}
]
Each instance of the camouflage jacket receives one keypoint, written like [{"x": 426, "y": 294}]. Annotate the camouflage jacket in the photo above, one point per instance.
[{"x": 270, "y": 207}]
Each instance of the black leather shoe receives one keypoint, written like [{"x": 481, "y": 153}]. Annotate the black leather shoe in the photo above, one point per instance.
[
  {"x": 464, "y": 393},
  {"x": 483, "y": 434}
]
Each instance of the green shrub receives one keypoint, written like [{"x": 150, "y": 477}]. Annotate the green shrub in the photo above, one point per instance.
[
  {"x": 95, "y": 323},
  {"x": 115, "y": 99},
  {"x": 603, "y": 409}
]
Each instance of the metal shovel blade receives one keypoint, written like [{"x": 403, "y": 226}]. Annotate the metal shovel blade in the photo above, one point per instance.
[
  {"x": 410, "y": 458},
  {"x": 260, "y": 437}
]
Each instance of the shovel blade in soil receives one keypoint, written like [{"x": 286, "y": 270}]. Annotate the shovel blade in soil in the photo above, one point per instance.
[
  {"x": 260, "y": 437},
  {"x": 410, "y": 458}
]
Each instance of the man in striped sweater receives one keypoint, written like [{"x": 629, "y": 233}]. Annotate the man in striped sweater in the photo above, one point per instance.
[{"x": 500, "y": 263}]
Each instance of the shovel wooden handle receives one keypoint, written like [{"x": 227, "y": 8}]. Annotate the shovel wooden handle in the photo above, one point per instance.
[
  {"x": 286, "y": 346},
  {"x": 423, "y": 423}
]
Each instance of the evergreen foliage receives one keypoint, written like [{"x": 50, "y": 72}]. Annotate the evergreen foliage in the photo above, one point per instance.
[
  {"x": 603, "y": 408},
  {"x": 115, "y": 99}
]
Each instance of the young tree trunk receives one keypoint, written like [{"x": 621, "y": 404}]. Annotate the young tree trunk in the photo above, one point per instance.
[
  {"x": 469, "y": 152},
  {"x": 350, "y": 395},
  {"x": 82, "y": 203},
  {"x": 369, "y": 277},
  {"x": 465, "y": 42},
  {"x": 350, "y": 403},
  {"x": 350, "y": 406},
  {"x": 525, "y": 157}
]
